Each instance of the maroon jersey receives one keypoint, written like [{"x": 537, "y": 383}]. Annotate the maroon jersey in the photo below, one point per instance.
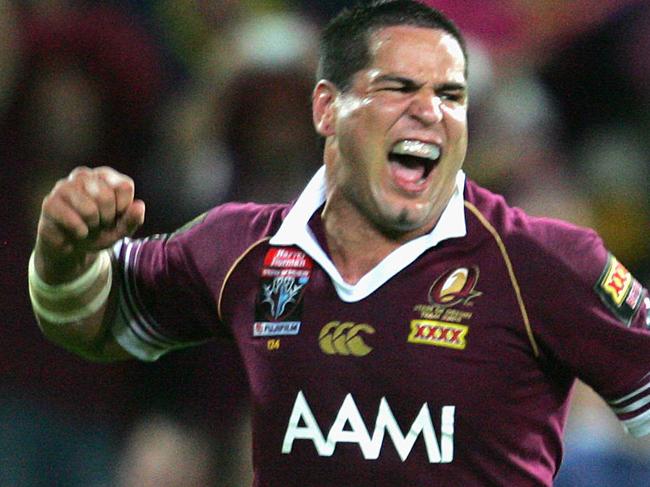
[{"x": 450, "y": 363}]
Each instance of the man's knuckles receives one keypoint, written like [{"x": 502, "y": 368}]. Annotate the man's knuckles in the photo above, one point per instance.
[{"x": 113, "y": 178}]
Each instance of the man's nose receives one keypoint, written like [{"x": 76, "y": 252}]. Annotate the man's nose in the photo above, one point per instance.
[{"x": 426, "y": 108}]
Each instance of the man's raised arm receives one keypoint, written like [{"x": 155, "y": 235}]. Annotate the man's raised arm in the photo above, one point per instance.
[{"x": 70, "y": 271}]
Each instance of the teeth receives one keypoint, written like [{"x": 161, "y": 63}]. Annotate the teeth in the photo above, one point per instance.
[{"x": 417, "y": 148}]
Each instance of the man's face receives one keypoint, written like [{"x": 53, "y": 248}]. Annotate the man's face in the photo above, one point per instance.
[{"x": 398, "y": 136}]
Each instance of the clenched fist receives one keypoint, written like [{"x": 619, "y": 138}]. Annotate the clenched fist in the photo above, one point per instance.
[{"x": 88, "y": 211}]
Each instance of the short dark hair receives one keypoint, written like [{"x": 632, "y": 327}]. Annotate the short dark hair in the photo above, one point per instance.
[{"x": 344, "y": 44}]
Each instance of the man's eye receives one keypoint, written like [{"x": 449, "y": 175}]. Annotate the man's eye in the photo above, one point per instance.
[
  {"x": 397, "y": 88},
  {"x": 394, "y": 88},
  {"x": 452, "y": 96}
]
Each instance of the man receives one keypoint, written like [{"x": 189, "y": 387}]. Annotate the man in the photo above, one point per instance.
[{"x": 399, "y": 324}]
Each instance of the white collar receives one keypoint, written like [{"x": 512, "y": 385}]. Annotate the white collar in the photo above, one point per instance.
[{"x": 295, "y": 231}]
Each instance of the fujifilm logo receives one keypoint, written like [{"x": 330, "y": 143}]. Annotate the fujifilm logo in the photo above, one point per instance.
[{"x": 349, "y": 427}]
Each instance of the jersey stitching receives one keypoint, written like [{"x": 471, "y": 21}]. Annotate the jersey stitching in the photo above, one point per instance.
[
  {"x": 511, "y": 273},
  {"x": 232, "y": 269}
]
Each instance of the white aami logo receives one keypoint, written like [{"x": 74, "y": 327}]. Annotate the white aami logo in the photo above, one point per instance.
[{"x": 356, "y": 431}]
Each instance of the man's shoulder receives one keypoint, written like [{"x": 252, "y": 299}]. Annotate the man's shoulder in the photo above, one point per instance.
[
  {"x": 549, "y": 239},
  {"x": 232, "y": 225},
  {"x": 250, "y": 217}
]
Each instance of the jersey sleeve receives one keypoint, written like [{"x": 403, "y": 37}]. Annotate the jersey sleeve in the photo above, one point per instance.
[
  {"x": 590, "y": 315},
  {"x": 164, "y": 300}
]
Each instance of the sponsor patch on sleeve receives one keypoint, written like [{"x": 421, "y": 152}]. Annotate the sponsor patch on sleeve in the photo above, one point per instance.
[{"x": 618, "y": 289}]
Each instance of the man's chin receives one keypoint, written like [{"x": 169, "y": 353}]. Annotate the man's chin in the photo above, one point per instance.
[{"x": 401, "y": 223}]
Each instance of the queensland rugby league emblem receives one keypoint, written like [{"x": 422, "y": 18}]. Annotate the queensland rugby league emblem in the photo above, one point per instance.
[{"x": 455, "y": 286}]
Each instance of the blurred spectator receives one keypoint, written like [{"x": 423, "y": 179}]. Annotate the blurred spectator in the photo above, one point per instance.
[
  {"x": 190, "y": 160},
  {"x": 162, "y": 453},
  {"x": 270, "y": 133},
  {"x": 535, "y": 175},
  {"x": 214, "y": 139},
  {"x": 268, "y": 120},
  {"x": 187, "y": 26},
  {"x": 87, "y": 91}
]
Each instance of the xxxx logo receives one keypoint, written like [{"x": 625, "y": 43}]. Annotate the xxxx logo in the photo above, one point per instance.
[
  {"x": 346, "y": 338},
  {"x": 616, "y": 281},
  {"x": 618, "y": 289},
  {"x": 438, "y": 333}
]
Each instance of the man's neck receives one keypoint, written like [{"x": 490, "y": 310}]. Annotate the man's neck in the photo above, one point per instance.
[{"x": 355, "y": 244}]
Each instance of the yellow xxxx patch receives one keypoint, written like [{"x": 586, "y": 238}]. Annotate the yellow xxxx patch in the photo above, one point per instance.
[{"x": 438, "y": 333}]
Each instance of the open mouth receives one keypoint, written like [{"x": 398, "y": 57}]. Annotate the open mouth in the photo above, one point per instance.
[{"x": 412, "y": 161}]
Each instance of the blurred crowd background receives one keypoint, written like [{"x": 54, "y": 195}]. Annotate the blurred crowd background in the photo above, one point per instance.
[{"x": 204, "y": 101}]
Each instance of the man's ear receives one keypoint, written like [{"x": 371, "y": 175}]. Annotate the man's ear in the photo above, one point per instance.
[{"x": 323, "y": 107}]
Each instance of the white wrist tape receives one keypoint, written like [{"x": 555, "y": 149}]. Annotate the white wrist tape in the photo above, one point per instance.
[{"x": 53, "y": 302}]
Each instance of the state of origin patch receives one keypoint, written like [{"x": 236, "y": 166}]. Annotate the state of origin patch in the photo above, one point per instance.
[{"x": 278, "y": 308}]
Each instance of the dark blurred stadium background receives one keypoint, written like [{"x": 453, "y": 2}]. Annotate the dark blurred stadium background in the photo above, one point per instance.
[{"x": 205, "y": 101}]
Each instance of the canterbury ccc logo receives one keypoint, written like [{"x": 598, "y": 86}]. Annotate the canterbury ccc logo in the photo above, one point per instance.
[
  {"x": 338, "y": 338},
  {"x": 455, "y": 286}
]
